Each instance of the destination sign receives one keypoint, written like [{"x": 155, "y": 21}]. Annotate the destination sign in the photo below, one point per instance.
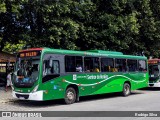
[
  {"x": 153, "y": 61},
  {"x": 29, "y": 54}
]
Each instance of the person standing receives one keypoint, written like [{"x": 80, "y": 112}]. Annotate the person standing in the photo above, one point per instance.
[
  {"x": 78, "y": 68},
  {"x": 8, "y": 80}
]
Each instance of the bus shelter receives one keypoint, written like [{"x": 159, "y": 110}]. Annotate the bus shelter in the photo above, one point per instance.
[{"x": 6, "y": 63}]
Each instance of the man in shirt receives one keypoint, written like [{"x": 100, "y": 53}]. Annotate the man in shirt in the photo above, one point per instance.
[{"x": 8, "y": 80}]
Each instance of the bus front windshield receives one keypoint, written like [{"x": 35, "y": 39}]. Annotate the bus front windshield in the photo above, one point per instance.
[
  {"x": 26, "y": 72},
  {"x": 154, "y": 70}
]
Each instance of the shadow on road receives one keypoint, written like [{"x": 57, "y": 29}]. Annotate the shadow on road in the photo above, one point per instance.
[
  {"x": 40, "y": 104},
  {"x": 105, "y": 96},
  {"x": 37, "y": 104},
  {"x": 151, "y": 89}
]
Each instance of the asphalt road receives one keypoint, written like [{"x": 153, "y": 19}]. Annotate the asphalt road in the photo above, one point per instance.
[{"x": 147, "y": 99}]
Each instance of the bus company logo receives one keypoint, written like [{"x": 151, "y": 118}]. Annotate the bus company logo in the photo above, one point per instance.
[
  {"x": 101, "y": 76},
  {"x": 74, "y": 77},
  {"x": 6, "y": 114}
]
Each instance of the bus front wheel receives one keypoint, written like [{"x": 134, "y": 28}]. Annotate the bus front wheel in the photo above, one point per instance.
[
  {"x": 70, "y": 95},
  {"x": 126, "y": 89}
]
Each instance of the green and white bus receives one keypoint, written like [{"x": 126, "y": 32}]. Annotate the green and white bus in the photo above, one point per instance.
[
  {"x": 47, "y": 74},
  {"x": 154, "y": 72}
]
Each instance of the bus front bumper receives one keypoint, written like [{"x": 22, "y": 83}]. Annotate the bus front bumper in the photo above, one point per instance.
[
  {"x": 35, "y": 96},
  {"x": 154, "y": 84}
]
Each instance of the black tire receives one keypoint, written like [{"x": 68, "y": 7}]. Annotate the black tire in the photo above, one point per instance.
[
  {"x": 70, "y": 96},
  {"x": 126, "y": 89}
]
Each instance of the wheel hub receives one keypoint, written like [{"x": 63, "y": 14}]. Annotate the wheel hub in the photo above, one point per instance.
[
  {"x": 70, "y": 95},
  {"x": 126, "y": 89}
]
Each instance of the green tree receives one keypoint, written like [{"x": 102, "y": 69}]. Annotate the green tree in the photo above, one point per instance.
[
  {"x": 129, "y": 26},
  {"x": 117, "y": 24},
  {"x": 148, "y": 36},
  {"x": 10, "y": 28}
]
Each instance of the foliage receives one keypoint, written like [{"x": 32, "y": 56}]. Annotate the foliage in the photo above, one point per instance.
[
  {"x": 13, "y": 48},
  {"x": 130, "y": 26}
]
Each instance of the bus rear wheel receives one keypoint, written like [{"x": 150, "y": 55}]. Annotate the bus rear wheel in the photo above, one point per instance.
[
  {"x": 126, "y": 89},
  {"x": 70, "y": 96}
]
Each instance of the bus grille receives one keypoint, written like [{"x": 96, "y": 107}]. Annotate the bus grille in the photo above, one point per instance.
[{"x": 24, "y": 96}]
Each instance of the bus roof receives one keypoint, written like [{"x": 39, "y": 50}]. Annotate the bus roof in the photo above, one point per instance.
[
  {"x": 154, "y": 61},
  {"x": 105, "y": 52},
  {"x": 113, "y": 54},
  {"x": 31, "y": 49}
]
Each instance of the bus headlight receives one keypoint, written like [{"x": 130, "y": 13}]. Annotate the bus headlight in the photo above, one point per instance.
[{"x": 35, "y": 89}]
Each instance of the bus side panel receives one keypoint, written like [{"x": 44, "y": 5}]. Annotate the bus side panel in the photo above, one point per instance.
[
  {"x": 142, "y": 79},
  {"x": 89, "y": 84},
  {"x": 114, "y": 85},
  {"x": 53, "y": 89}
]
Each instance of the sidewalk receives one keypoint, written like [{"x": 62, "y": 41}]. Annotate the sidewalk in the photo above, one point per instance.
[{"x": 5, "y": 96}]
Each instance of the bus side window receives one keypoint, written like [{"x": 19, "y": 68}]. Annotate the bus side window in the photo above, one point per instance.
[
  {"x": 91, "y": 64},
  {"x": 44, "y": 67},
  {"x": 120, "y": 64},
  {"x": 55, "y": 67},
  {"x": 132, "y": 65},
  {"x": 142, "y": 65},
  {"x": 86, "y": 69},
  {"x": 107, "y": 64},
  {"x": 73, "y": 64},
  {"x": 51, "y": 69}
]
